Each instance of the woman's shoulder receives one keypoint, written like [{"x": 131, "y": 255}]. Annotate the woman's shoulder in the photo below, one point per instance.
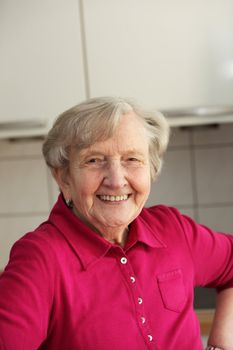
[
  {"x": 167, "y": 219},
  {"x": 44, "y": 234},
  {"x": 42, "y": 243},
  {"x": 161, "y": 211}
]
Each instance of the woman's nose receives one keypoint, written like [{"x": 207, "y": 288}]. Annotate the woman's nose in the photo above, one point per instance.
[{"x": 115, "y": 175}]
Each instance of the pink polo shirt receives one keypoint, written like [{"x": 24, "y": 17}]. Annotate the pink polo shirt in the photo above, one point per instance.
[{"x": 65, "y": 287}]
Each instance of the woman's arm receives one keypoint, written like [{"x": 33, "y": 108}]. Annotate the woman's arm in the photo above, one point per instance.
[
  {"x": 26, "y": 292},
  {"x": 221, "y": 334}
]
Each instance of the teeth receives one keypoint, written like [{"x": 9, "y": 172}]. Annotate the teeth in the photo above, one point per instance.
[{"x": 114, "y": 198}]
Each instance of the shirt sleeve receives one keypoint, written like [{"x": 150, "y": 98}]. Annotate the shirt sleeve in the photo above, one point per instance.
[
  {"x": 212, "y": 253},
  {"x": 26, "y": 295}
]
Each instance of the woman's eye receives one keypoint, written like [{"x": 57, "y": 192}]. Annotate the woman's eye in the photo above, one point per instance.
[
  {"x": 132, "y": 159},
  {"x": 95, "y": 161},
  {"x": 133, "y": 162}
]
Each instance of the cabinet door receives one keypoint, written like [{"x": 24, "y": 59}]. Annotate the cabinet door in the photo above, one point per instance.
[
  {"x": 167, "y": 54},
  {"x": 41, "y": 67}
]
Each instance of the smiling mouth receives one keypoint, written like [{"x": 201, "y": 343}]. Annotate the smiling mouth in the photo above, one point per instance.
[{"x": 111, "y": 198}]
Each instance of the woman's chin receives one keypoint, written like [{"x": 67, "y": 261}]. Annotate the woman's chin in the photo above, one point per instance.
[{"x": 112, "y": 222}]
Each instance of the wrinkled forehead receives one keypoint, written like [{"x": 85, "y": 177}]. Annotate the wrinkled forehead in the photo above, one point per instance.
[{"x": 129, "y": 137}]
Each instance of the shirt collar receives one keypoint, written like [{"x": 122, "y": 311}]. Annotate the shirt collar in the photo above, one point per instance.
[
  {"x": 87, "y": 244},
  {"x": 142, "y": 231}
]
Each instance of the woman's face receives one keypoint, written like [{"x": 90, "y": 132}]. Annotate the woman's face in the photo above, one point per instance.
[{"x": 109, "y": 182}]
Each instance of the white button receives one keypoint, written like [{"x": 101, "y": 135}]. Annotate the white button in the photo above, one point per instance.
[
  {"x": 150, "y": 337},
  {"x": 143, "y": 319},
  {"x": 123, "y": 260},
  {"x": 132, "y": 279},
  {"x": 139, "y": 300}
]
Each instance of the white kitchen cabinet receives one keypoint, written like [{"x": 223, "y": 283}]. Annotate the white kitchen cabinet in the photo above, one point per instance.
[
  {"x": 41, "y": 60},
  {"x": 166, "y": 54}
]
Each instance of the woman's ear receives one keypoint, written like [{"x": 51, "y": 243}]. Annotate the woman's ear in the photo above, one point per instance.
[{"x": 62, "y": 179}]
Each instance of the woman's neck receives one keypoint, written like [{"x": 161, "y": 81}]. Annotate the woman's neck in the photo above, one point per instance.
[{"x": 118, "y": 238}]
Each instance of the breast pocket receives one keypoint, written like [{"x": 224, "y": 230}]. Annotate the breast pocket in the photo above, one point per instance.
[{"x": 172, "y": 290}]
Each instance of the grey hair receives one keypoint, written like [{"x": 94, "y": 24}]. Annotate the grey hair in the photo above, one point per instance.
[{"x": 95, "y": 120}]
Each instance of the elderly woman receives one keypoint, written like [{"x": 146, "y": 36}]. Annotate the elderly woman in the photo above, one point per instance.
[{"x": 103, "y": 272}]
